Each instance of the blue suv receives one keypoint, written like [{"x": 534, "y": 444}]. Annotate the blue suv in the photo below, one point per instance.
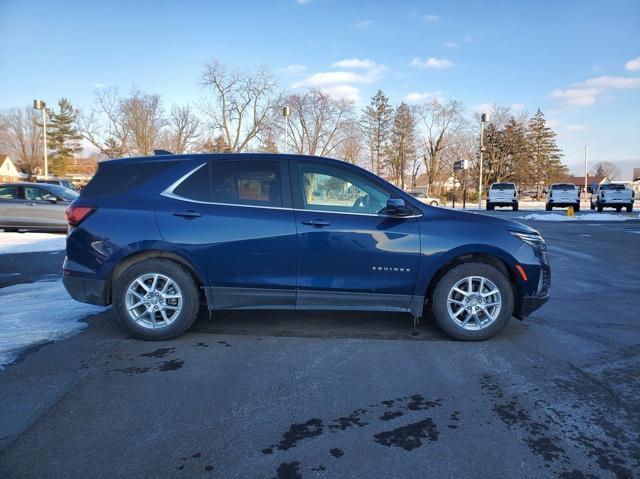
[{"x": 159, "y": 236}]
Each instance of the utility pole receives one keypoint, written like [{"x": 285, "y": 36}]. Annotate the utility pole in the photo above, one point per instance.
[
  {"x": 286, "y": 112},
  {"x": 41, "y": 105},
  {"x": 586, "y": 172},
  {"x": 483, "y": 120}
]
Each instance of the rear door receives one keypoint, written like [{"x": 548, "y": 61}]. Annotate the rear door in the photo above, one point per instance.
[
  {"x": 234, "y": 219},
  {"x": 351, "y": 254},
  {"x": 10, "y": 203}
]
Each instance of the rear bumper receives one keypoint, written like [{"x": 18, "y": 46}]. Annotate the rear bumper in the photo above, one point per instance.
[{"x": 92, "y": 291}]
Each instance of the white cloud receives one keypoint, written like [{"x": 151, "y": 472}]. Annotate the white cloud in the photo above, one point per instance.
[
  {"x": 303, "y": 2},
  {"x": 633, "y": 65},
  {"x": 340, "y": 83},
  {"x": 431, "y": 63},
  {"x": 347, "y": 92},
  {"x": 482, "y": 108},
  {"x": 518, "y": 106},
  {"x": 431, "y": 18},
  {"x": 451, "y": 44},
  {"x": 422, "y": 97},
  {"x": 586, "y": 93},
  {"x": 363, "y": 25},
  {"x": 575, "y": 127},
  {"x": 294, "y": 69}
]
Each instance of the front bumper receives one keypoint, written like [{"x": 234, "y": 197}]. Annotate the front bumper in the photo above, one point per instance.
[
  {"x": 92, "y": 291},
  {"x": 529, "y": 304}
]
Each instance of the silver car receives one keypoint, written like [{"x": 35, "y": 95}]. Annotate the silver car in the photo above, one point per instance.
[{"x": 34, "y": 206}]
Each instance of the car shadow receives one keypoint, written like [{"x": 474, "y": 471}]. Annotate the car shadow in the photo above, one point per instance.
[{"x": 318, "y": 324}]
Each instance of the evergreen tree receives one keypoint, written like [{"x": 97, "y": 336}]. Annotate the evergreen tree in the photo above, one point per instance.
[
  {"x": 63, "y": 139},
  {"x": 545, "y": 154},
  {"x": 376, "y": 124},
  {"x": 403, "y": 143}
]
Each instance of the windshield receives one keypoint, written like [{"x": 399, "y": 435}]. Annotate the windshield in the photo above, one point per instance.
[
  {"x": 65, "y": 193},
  {"x": 503, "y": 186},
  {"x": 563, "y": 187}
]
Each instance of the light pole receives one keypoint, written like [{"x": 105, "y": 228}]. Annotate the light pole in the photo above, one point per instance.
[
  {"x": 586, "y": 173},
  {"x": 483, "y": 120},
  {"x": 41, "y": 105},
  {"x": 286, "y": 112}
]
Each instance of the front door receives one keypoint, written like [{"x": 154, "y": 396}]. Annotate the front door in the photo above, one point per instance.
[
  {"x": 352, "y": 255},
  {"x": 233, "y": 218}
]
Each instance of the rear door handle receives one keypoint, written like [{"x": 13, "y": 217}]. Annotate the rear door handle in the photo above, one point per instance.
[
  {"x": 187, "y": 214},
  {"x": 316, "y": 223}
]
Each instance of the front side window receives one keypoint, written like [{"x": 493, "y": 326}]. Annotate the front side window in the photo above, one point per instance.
[
  {"x": 38, "y": 194},
  {"x": 9, "y": 193},
  {"x": 327, "y": 188}
]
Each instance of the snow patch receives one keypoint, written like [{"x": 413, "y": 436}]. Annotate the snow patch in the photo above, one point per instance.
[
  {"x": 587, "y": 217},
  {"x": 35, "y": 313},
  {"x": 31, "y": 242}
]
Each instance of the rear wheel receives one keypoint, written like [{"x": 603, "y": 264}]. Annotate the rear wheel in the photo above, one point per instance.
[
  {"x": 155, "y": 299},
  {"x": 515, "y": 207},
  {"x": 490, "y": 207},
  {"x": 600, "y": 208},
  {"x": 473, "y": 302},
  {"x": 618, "y": 209},
  {"x": 548, "y": 207},
  {"x": 630, "y": 208},
  {"x": 592, "y": 206},
  {"x": 433, "y": 203},
  {"x": 576, "y": 207}
]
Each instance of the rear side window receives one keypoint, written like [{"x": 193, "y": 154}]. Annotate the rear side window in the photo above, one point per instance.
[
  {"x": 197, "y": 186},
  {"x": 9, "y": 193},
  {"x": 247, "y": 183},
  {"x": 116, "y": 178}
]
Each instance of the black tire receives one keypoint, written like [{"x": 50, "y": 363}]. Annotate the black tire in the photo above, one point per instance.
[
  {"x": 434, "y": 203},
  {"x": 599, "y": 208},
  {"x": 515, "y": 207},
  {"x": 576, "y": 208},
  {"x": 592, "y": 206},
  {"x": 190, "y": 299},
  {"x": 630, "y": 208},
  {"x": 618, "y": 209},
  {"x": 490, "y": 207},
  {"x": 548, "y": 207},
  {"x": 455, "y": 274}
]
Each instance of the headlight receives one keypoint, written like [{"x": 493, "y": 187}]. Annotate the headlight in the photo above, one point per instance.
[{"x": 534, "y": 240}]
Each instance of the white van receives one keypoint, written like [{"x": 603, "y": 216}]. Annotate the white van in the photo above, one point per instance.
[{"x": 502, "y": 194}]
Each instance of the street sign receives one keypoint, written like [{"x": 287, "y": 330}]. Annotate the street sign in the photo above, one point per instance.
[{"x": 461, "y": 165}]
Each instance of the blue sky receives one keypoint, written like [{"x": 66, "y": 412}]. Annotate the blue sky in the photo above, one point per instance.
[{"x": 579, "y": 61}]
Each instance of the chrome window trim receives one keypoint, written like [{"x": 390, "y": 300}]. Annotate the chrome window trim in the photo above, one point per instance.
[{"x": 168, "y": 193}]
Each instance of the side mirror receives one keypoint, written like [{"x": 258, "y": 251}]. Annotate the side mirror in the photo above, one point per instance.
[{"x": 397, "y": 207}]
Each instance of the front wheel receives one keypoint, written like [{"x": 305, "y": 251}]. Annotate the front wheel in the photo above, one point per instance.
[
  {"x": 473, "y": 302},
  {"x": 155, "y": 299},
  {"x": 592, "y": 206},
  {"x": 490, "y": 207},
  {"x": 600, "y": 207},
  {"x": 576, "y": 208},
  {"x": 515, "y": 207}
]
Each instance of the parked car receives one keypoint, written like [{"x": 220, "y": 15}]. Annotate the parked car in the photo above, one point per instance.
[
  {"x": 157, "y": 236},
  {"x": 502, "y": 194},
  {"x": 34, "y": 206},
  {"x": 613, "y": 195},
  {"x": 430, "y": 200},
  {"x": 563, "y": 195},
  {"x": 55, "y": 181}
]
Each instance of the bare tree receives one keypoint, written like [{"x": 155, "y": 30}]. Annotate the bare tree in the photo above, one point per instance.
[
  {"x": 104, "y": 125},
  {"x": 351, "y": 148},
  {"x": 239, "y": 102},
  {"x": 21, "y": 137},
  {"x": 441, "y": 123},
  {"x": 319, "y": 123},
  {"x": 143, "y": 119},
  {"x": 183, "y": 129},
  {"x": 605, "y": 168}
]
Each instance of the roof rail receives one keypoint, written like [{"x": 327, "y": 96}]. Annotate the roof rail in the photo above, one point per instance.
[{"x": 162, "y": 152}]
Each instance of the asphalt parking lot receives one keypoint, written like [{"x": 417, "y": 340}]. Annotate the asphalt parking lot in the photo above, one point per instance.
[{"x": 286, "y": 395}]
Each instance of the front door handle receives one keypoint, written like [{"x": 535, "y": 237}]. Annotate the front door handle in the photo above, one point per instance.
[
  {"x": 316, "y": 223},
  {"x": 187, "y": 214},
  {"x": 30, "y": 204}
]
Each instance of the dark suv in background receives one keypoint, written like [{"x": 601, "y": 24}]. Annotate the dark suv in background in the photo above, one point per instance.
[{"x": 159, "y": 236}]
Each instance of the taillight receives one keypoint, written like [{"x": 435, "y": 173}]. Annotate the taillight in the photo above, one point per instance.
[{"x": 77, "y": 214}]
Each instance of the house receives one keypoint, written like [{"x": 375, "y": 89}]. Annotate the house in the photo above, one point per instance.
[
  {"x": 443, "y": 183},
  {"x": 579, "y": 181},
  {"x": 8, "y": 171}
]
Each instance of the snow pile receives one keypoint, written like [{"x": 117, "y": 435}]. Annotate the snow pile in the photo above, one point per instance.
[
  {"x": 35, "y": 313},
  {"x": 30, "y": 242},
  {"x": 587, "y": 217}
]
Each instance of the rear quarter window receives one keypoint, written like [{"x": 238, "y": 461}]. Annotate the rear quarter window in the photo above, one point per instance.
[{"x": 115, "y": 178}]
